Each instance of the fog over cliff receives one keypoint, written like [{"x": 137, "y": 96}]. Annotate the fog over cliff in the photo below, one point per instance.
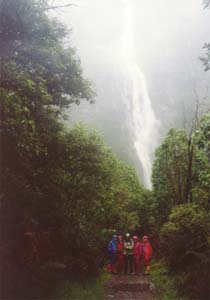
[{"x": 143, "y": 59}]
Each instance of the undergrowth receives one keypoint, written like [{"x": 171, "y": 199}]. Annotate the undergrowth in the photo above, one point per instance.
[
  {"x": 89, "y": 290},
  {"x": 167, "y": 285}
]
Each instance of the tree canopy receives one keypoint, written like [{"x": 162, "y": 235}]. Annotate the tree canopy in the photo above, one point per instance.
[
  {"x": 55, "y": 180},
  {"x": 182, "y": 209}
]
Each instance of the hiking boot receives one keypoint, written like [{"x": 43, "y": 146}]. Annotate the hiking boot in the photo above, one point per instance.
[{"x": 108, "y": 268}]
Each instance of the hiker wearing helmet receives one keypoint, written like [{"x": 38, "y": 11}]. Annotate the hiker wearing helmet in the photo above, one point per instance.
[
  {"x": 112, "y": 254},
  {"x": 128, "y": 254},
  {"x": 136, "y": 254},
  {"x": 120, "y": 256},
  {"x": 146, "y": 249}
]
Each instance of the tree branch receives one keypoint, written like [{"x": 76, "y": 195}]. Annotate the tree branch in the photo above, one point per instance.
[
  {"x": 60, "y": 6},
  {"x": 206, "y": 3}
]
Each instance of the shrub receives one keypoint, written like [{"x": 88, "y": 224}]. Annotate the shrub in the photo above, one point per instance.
[{"x": 185, "y": 243}]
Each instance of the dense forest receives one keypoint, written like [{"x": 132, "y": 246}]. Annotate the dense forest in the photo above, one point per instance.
[{"x": 63, "y": 190}]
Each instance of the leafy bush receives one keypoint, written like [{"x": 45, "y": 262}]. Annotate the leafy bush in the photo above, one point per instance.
[
  {"x": 81, "y": 292},
  {"x": 95, "y": 196},
  {"x": 91, "y": 290},
  {"x": 185, "y": 241},
  {"x": 64, "y": 183},
  {"x": 170, "y": 173},
  {"x": 167, "y": 284}
]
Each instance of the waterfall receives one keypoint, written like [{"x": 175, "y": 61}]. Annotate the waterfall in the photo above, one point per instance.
[{"x": 141, "y": 117}]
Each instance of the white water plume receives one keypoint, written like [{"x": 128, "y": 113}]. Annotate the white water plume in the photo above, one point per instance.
[{"x": 141, "y": 116}]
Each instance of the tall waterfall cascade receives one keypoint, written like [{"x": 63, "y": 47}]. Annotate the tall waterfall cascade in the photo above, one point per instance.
[{"x": 141, "y": 117}]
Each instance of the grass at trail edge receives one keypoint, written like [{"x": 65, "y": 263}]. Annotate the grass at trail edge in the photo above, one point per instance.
[
  {"x": 165, "y": 282},
  {"x": 89, "y": 290}
]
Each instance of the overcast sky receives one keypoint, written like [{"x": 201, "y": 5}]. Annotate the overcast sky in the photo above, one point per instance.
[
  {"x": 159, "y": 25},
  {"x": 169, "y": 36}
]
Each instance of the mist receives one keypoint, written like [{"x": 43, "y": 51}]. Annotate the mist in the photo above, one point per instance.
[{"x": 167, "y": 40}]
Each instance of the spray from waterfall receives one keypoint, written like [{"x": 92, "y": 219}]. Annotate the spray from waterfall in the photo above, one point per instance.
[{"x": 142, "y": 118}]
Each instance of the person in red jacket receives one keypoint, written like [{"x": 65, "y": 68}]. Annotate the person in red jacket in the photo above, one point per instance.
[
  {"x": 146, "y": 250},
  {"x": 120, "y": 256},
  {"x": 136, "y": 254}
]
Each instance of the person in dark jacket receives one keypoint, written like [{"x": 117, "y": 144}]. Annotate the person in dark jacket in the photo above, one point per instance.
[
  {"x": 112, "y": 254},
  {"x": 128, "y": 254}
]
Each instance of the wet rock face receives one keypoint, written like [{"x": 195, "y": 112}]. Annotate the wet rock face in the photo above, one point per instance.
[{"x": 121, "y": 287}]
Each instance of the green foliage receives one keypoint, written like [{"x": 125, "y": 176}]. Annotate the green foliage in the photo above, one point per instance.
[
  {"x": 145, "y": 209},
  {"x": 95, "y": 193},
  {"x": 170, "y": 171},
  {"x": 186, "y": 232},
  {"x": 33, "y": 54},
  {"x": 68, "y": 180},
  {"x": 39, "y": 77},
  {"x": 202, "y": 135},
  {"x": 181, "y": 170},
  {"x": 201, "y": 187},
  {"x": 167, "y": 284},
  {"x": 87, "y": 291},
  {"x": 181, "y": 175},
  {"x": 185, "y": 241},
  {"x": 206, "y": 57}
]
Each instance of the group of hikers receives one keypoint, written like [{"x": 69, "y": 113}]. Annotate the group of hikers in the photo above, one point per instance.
[{"x": 129, "y": 256}]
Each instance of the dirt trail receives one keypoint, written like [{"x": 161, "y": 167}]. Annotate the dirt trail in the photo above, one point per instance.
[{"x": 130, "y": 287}]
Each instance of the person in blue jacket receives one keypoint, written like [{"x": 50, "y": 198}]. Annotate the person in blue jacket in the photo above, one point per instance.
[{"x": 112, "y": 254}]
